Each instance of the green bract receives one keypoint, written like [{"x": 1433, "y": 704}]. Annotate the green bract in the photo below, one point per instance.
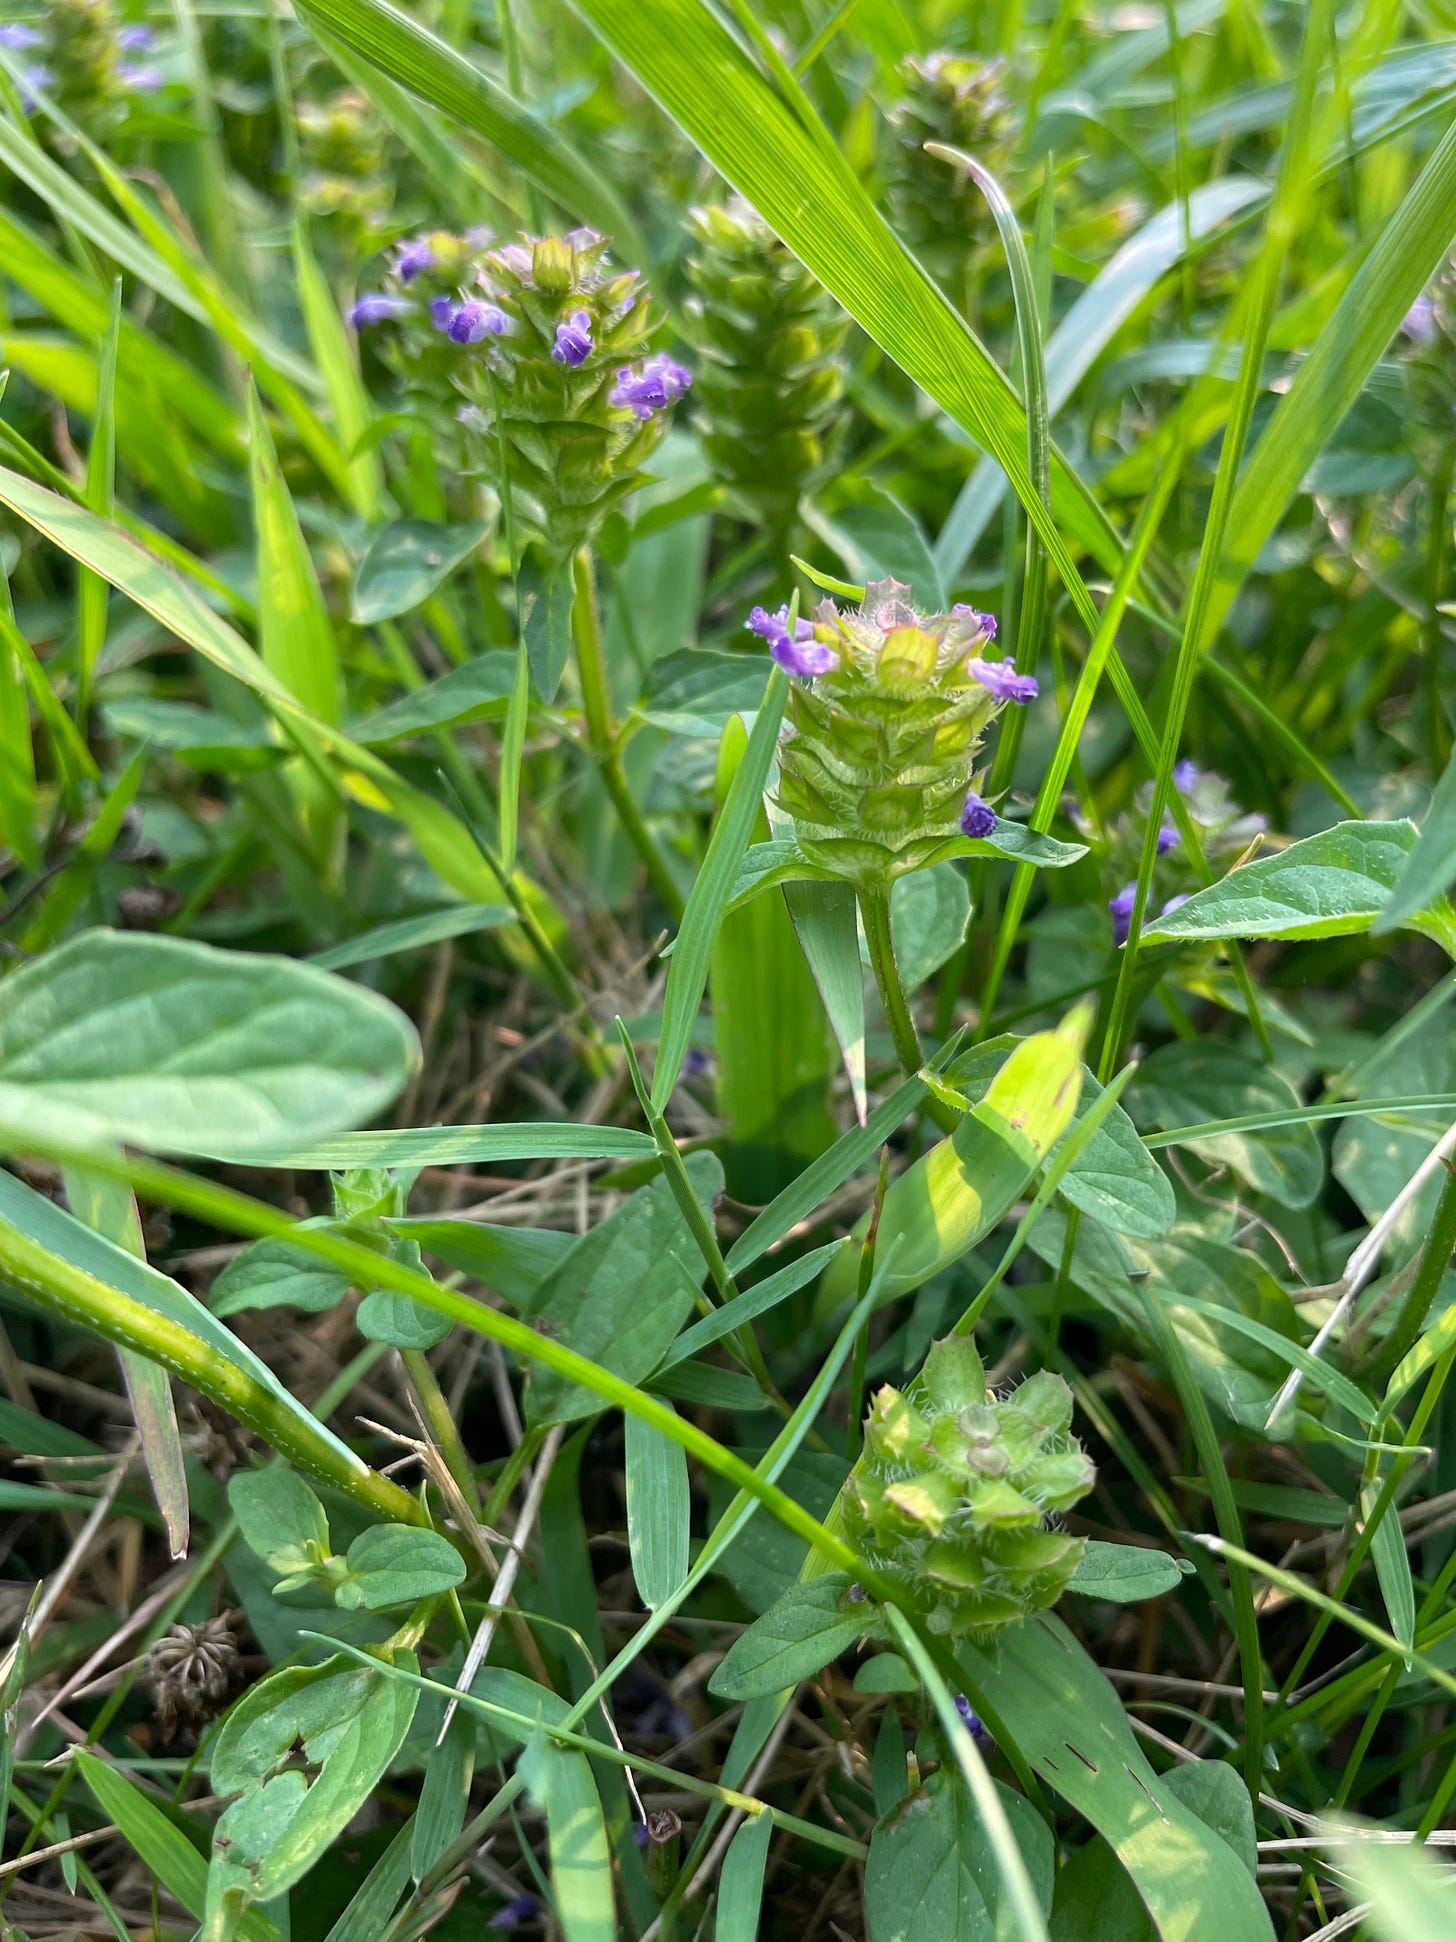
[
  {"x": 770, "y": 380},
  {"x": 882, "y": 748},
  {"x": 956, "y": 1490}
]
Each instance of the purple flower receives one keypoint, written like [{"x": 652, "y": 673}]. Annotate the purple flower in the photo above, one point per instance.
[
  {"x": 1003, "y": 680},
  {"x": 978, "y": 818},
  {"x": 32, "y": 80},
  {"x": 1185, "y": 776},
  {"x": 1419, "y": 322},
  {"x": 573, "y": 344},
  {"x": 442, "y": 309},
  {"x": 1172, "y": 904},
  {"x": 660, "y": 382},
  {"x": 413, "y": 258},
  {"x": 525, "y": 1908},
  {"x": 376, "y": 308},
  {"x": 972, "y": 1721},
  {"x": 136, "y": 40},
  {"x": 469, "y": 322},
  {"x": 799, "y": 653},
  {"x": 16, "y": 36},
  {"x": 1121, "y": 909},
  {"x": 986, "y": 622},
  {"x": 139, "y": 77},
  {"x": 1167, "y": 839}
]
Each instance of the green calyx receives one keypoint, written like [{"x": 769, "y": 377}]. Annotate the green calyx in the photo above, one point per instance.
[
  {"x": 883, "y": 747},
  {"x": 770, "y": 380},
  {"x": 955, "y": 1490}
]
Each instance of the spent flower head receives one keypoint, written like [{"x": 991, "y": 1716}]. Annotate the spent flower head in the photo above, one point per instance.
[{"x": 886, "y": 719}]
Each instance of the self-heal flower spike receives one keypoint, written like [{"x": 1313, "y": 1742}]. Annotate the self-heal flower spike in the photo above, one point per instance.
[
  {"x": 658, "y": 384},
  {"x": 955, "y": 1495},
  {"x": 376, "y": 307},
  {"x": 573, "y": 344},
  {"x": 882, "y": 749},
  {"x": 978, "y": 818}
]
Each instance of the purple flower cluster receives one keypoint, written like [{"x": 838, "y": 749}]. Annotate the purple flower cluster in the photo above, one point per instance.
[
  {"x": 799, "y": 653},
  {"x": 659, "y": 383}
]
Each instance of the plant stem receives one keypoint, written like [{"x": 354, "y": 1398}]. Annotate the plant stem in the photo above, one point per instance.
[
  {"x": 64, "y": 1289},
  {"x": 596, "y": 703},
  {"x": 436, "y": 1411},
  {"x": 874, "y": 909}
]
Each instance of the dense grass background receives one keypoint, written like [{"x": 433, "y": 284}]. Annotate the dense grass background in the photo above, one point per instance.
[{"x": 349, "y": 782}]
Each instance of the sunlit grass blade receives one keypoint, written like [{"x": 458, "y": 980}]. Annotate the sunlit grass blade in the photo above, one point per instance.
[{"x": 92, "y": 591}]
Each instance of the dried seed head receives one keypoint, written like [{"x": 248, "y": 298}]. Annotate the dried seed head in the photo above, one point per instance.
[{"x": 192, "y": 1671}]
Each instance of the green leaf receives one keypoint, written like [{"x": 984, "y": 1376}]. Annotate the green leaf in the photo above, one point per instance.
[
  {"x": 622, "y": 1292},
  {"x": 1068, "y": 1725},
  {"x": 740, "y": 1885},
  {"x": 444, "y": 1798},
  {"x": 1114, "y": 1178},
  {"x": 412, "y": 55},
  {"x": 1218, "y": 1796},
  {"x": 271, "y": 1274},
  {"x": 547, "y": 595},
  {"x": 694, "y": 691},
  {"x": 931, "y": 1872},
  {"x": 413, "y": 934},
  {"x": 1125, "y": 1573},
  {"x": 807, "y": 1626},
  {"x": 161, "y": 1846},
  {"x": 581, "y": 1861},
  {"x": 659, "y": 1511},
  {"x": 826, "y": 921},
  {"x": 1392, "y": 1567},
  {"x": 295, "y": 633},
  {"x": 929, "y": 911},
  {"x": 1193, "y": 1082},
  {"x": 281, "y": 1519},
  {"x": 404, "y": 563},
  {"x": 1331, "y": 885},
  {"x": 351, "y": 1720},
  {"x": 392, "y": 1564},
  {"x": 120, "y": 1038},
  {"x": 477, "y": 691}
]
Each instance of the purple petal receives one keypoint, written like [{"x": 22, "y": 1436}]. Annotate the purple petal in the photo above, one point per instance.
[
  {"x": 1167, "y": 839},
  {"x": 376, "y": 308},
  {"x": 1185, "y": 776},
  {"x": 573, "y": 344},
  {"x": 139, "y": 78},
  {"x": 978, "y": 818},
  {"x": 16, "y": 36},
  {"x": 136, "y": 40},
  {"x": 1003, "y": 680},
  {"x": 1172, "y": 904},
  {"x": 469, "y": 322},
  {"x": 660, "y": 382},
  {"x": 414, "y": 258},
  {"x": 1121, "y": 908}
]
